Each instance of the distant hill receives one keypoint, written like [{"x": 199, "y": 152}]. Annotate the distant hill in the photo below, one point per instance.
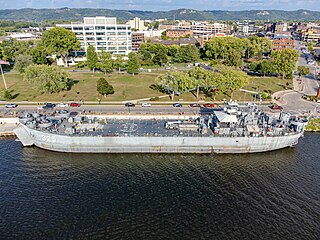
[{"x": 29, "y": 14}]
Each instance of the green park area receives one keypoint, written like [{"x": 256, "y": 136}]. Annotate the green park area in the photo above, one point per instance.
[
  {"x": 156, "y": 72},
  {"x": 128, "y": 87}
]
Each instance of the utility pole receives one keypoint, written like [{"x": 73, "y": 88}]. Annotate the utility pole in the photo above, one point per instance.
[{"x": 4, "y": 80}]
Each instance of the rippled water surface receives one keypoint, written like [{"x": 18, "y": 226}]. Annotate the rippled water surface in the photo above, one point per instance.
[{"x": 48, "y": 195}]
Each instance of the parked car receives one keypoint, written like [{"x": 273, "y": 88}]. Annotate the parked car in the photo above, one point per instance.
[
  {"x": 11, "y": 105},
  {"x": 177, "y": 105},
  {"x": 129, "y": 104},
  {"x": 208, "y": 105},
  {"x": 276, "y": 107},
  {"x": 194, "y": 105},
  {"x": 75, "y": 104},
  {"x": 145, "y": 104},
  {"x": 63, "y": 105},
  {"x": 48, "y": 105}
]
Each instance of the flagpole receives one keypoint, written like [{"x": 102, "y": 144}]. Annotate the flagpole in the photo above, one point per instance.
[{"x": 4, "y": 80}]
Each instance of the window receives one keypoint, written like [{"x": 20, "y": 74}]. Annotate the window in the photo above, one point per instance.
[
  {"x": 100, "y": 27},
  {"x": 77, "y": 28},
  {"x": 90, "y": 38},
  {"x": 111, "y": 33},
  {"x": 88, "y": 28},
  {"x": 90, "y": 33},
  {"x": 101, "y": 38},
  {"x": 110, "y": 28},
  {"x": 122, "y": 33},
  {"x": 122, "y": 48},
  {"x": 80, "y": 38},
  {"x": 100, "y": 33},
  {"x": 121, "y": 28},
  {"x": 112, "y": 48}
]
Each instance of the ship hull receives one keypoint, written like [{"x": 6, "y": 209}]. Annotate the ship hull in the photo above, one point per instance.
[{"x": 153, "y": 144}]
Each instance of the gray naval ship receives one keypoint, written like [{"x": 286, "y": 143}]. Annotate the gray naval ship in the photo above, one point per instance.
[{"x": 233, "y": 129}]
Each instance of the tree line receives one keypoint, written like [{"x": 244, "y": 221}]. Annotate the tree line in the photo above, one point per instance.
[{"x": 223, "y": 79}]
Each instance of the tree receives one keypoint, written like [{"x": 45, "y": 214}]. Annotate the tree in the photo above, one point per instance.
[
  {"x": 164, "y": 35},
  {"x": 145, "y": 57},
  {"x": 61, "y": 42},
  {"x": 105, "y": 62},
  {"x": 104, "y": 88},
  {"x": 258, "y": 46},
  {"x": 133, "y": 64},
  {"x": 92, "y": 58},
  {"x": 234, "y": 79},
  {"x": 40, "y": 55},
  {"x": 310, "y": 46},
  {"x": 285, "y": 61},
  {"x": 22, "y": 61},
  {"x": 303, "y": 71},
  {"x": 186, "y": 54},
  {"x": 229, "y": 50},
  {"x": 47, "y": 79},
  {"x": 118, "y": 62},
  {"x": 176, "y": 82},
  {"x": 12, "y": 48},
  {"x": 160, "y": 58},
  {"x": 7, "y": 95},
  {"x": 267, "y": 67}
]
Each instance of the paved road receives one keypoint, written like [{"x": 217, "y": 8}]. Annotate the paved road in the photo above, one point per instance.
[{"x": 309, "y": 84}]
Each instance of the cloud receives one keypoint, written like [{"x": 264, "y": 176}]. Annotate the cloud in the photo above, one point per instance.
[{"x": 167, "y": 4}]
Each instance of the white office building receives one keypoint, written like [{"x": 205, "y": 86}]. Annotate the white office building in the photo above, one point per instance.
[
  {"x": 103, "y": 33},
  {"x": 137, "y": 24}
]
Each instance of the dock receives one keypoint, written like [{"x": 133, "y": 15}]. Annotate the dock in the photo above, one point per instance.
[{"x": 7, "y": 125}]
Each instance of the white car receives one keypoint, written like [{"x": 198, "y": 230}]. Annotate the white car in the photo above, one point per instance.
[
  {"x": 62, "y": 105},
  {"x": 145, "y": 104}
]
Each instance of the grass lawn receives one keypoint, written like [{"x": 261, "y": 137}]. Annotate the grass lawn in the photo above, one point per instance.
[
  {"x": 127, "y": 87},
  {"x": 85, "y": 88}
]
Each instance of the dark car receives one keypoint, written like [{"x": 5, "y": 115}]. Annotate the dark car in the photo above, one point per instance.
[
  {"x": 194, "y": 105},
  {"x": 11, "y": 105},
  {"x": 129, "y": 104},
  {"x": 49, "y": 106},
  {"x": 74, "y": 104},
  {"x": 208, "y": 105},
  {"x": 177, "y": 105},
  {"x": 276, "y": 107}
]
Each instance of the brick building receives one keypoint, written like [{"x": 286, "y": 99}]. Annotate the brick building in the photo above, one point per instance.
[
  {"x": 281, "y": 42},
  {"x": 178, "y": 33}
]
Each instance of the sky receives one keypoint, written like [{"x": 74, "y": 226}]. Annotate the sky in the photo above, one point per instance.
[{"x": 159, "y": 5}]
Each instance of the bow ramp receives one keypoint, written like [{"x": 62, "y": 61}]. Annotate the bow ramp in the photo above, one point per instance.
[{"x": 23, "y": 136}]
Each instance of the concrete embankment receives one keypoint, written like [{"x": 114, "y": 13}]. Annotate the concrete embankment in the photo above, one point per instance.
[{"x": 7, "y": 125}]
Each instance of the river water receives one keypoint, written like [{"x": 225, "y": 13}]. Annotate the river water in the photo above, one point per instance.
[{"x": 48, "y": 195}]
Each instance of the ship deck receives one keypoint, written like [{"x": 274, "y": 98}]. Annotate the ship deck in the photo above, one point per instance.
[{"x": 128, "y": 127}]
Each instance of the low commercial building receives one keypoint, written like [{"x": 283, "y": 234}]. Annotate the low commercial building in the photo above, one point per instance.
[
  {"x": 103, "y": 33},
  {"x": 23, "y": 36}
]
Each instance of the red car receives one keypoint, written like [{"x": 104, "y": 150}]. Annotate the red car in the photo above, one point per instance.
[
  {"x": 74, "y": 104},
  {"x": 276, "y": 107},
  {"x": 208, "y": 105}
]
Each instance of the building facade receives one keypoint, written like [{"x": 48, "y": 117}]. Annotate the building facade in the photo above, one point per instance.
[
  {"x": 137, "y": 39},
  {"x": 137, "y": 24},
  {"x": 178, "y": 33},
  {"x": 282, "y": 42},
  {"x": 103, "y": 33}
]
